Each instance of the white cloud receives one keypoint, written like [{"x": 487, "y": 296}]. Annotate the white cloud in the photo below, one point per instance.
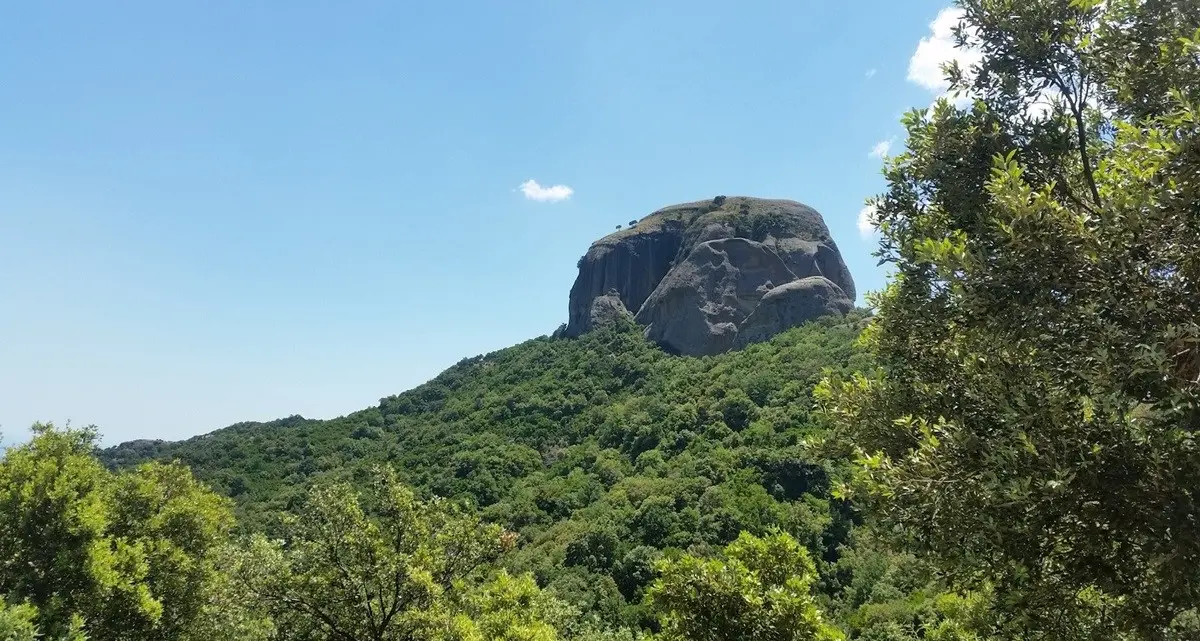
[
  {"x": 881, "y": 149},
  {"x": 871, "y": 73},
  {"x": 937, "y": 49},
  {"x": 554, "y": 194},
  {"x": 866, "y": 221}
]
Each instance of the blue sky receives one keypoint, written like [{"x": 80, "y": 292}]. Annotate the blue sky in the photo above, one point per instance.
[{"x": 225, "y": 210}]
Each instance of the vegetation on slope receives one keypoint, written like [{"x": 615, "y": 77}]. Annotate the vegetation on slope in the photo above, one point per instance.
[
  {"x": 602, "y": 453},
  {"x": 585, "y": 473}
]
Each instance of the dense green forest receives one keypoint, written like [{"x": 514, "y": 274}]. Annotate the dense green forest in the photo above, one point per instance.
[
  {"x": 594, "y": 463},
  {"x": 533, "y": 433},
  {"x": 600, "y": 453},
  {"x": 1003, "y": 447}
]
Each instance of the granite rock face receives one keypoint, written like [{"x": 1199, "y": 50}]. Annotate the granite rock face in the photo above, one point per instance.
[
  {"x": 792, "y": 304},
  {"x": 607, "y": 309},
  {"x": 710, "y": 276}
]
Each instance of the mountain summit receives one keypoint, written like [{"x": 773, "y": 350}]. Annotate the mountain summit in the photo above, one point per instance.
[{"x": 709, "y": 276}]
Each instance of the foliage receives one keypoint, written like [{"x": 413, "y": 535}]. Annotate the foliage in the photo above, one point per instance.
[
  {"x": 1031, "y": 425},
  {"x": 386, "y": 566},
  {"x": 353, "y": 566},
  {"x": 231, "y": 613},
  {"x": 510, "y": 609},
  {"x": 18, "y": 623},
  {"x": 129, "y": 555},
  {"x": 761, "y": 589},
  {"x": 599, "y": 453}
]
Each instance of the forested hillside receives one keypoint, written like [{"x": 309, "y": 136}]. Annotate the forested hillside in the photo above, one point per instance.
[
  {"x": 493, "y": 428},
  {"x": 601, "y": 452}
]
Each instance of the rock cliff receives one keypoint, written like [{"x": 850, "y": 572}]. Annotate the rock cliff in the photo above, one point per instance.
[{"x": 714, "y": 275}]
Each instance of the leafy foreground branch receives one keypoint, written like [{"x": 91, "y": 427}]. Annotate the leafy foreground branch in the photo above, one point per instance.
[
  {"x": 1032, "y": 425},
  {"x": 118, "y": 556}
]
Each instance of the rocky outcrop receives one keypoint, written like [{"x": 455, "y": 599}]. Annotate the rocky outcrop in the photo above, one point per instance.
[
  {"x": 792, "y": 304},
  {"x": 608, "y": 309},
  {"x": 630, "y": 264},
  {"x": 708, "y": 276},
  {"x": 700, "y": 304}
]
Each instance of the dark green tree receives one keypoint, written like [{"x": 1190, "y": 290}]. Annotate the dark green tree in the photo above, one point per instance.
[
  {"x": 595, "y": 549},
  {"x": 1032, "y": 424}
]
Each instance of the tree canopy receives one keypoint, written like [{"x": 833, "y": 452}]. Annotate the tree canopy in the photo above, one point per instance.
[
  {"x": 761, "y": 589},
  {"x": 1031, "y": 422},
  {"x": 129, "y": 555}
]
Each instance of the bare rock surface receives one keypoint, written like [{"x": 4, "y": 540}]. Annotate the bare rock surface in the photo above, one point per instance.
[{"x": 709, "y": 276}]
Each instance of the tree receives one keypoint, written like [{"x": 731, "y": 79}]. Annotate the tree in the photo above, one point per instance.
[
  {"x": 117, "y": 556},
  {"x": 760, "y": 590},
  {"x": 1032, "y": 423},
  {"x": 386, "y": 566},
  {"x": 509, "y": 608},
  {"x": 19, "y": 623},
  {"x": 595, "y": 549}
]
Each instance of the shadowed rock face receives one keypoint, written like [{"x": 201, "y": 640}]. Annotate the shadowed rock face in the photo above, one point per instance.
[
  {"x": 709, "y": 276},
  {"x": 631, "y": 266}
]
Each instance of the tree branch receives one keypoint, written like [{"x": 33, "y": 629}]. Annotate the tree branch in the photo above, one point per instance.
[{"x": 1075, "y": 102}]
